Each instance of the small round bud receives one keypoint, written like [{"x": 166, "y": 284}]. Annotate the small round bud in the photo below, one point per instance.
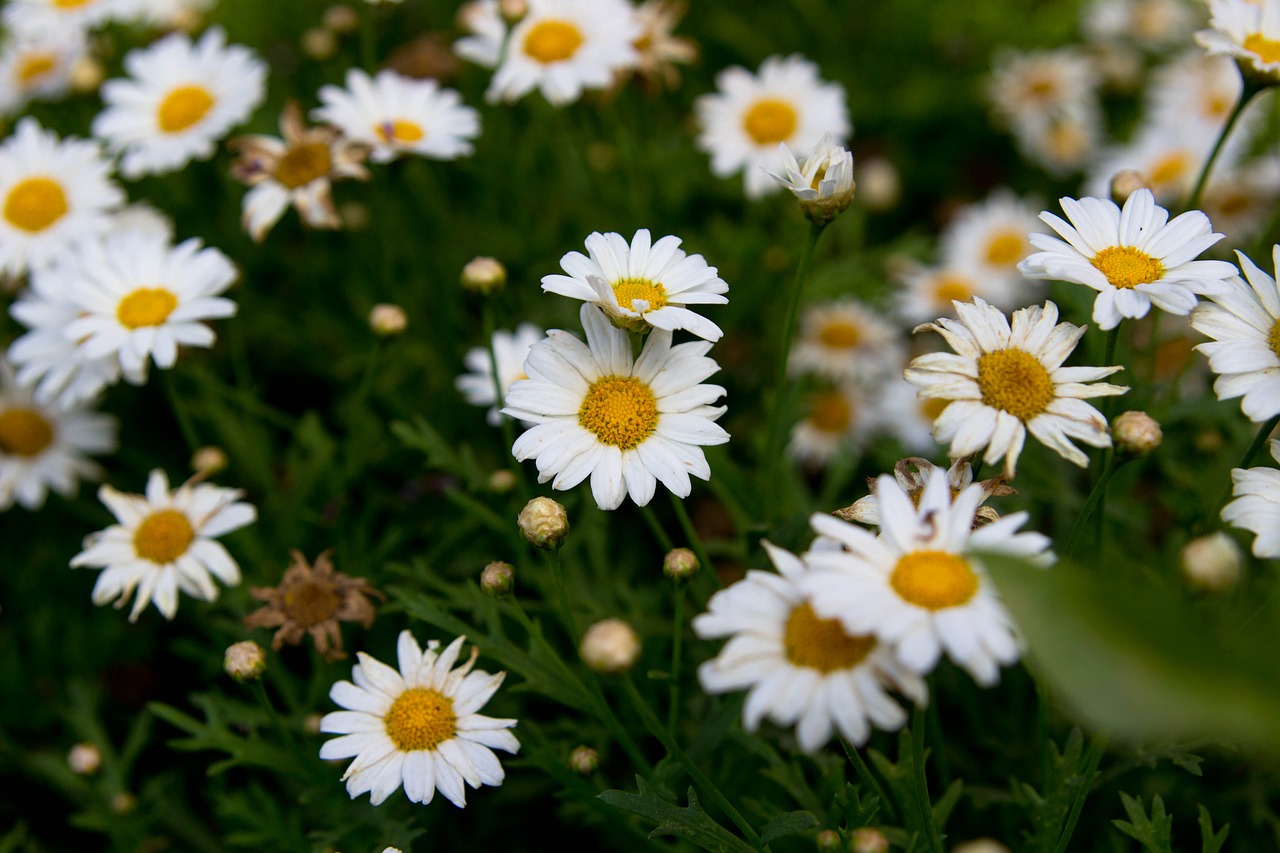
[
  {"x": 319, "y": 44},
  {"x": 387, "y": 320},
  {"x": 502, "y": 481},
  {"x": 341, "y": 20},
  {"x": 584, "y": 760},
  {"x": 245, "y": 661},
  {"x": 868, "y": 840},
  {"x": 879, "y": 184},
  {"x": 87, "y": 74},
  {"x": 311, "y": 723},
  {"x": 84, "y": 759},
  {"x": 828, "y": 841},
  {"x": 123, "y": 802},
  {"x": 610, "y": 647},
  {"x": 1136, "y": 433},
  {"x": 544, "y": 523},
  {"x": 513, "y": 10},
  {"x": 1125, "y": 183},
  {"x": 354, "y": 215},
  {"x": 392, "y": 850},
  {"x": 1211, "y": 563},
  {"x": 679, "y": 564},
  {"x": 484, "y": 275},
  {"x": 497, "y": 578},
  {"x": 980, "y": 845},
  {"x": 208, "y": 460}
]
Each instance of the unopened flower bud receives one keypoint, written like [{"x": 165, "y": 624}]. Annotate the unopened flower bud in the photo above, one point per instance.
[
  {"x": 87, "y": 74},
  {"x": 544, "y": 522},
  {"x": 341, "y": 20},
  {"x": 245, "y": 661},
  {"x": 980, "y": 845},
  {"x": 879, "y": 185},
  {"x": 1125, "y": 183},
  {"x": 484, "y": 275},
  {"x": 84, "y": 759},
  {"x": 319, "y": 44},
  {"x": 513, "y": 10},
  {"x": 828, "y": 841},
  {"x": 387, "y": 320},
  {"x": 502, "y": 481},
  {"x": 868, "y": 840},
  {"x": 584, "y": 760},
  {"x": 208, "y": 460},
  {"x": 822, "y": 180},
  {"x": 123, "y": 802},
  {"x": 354, "y": 215},
  {"x": 679, "y": 564},
  {"x": 1211, "y": 563},
  {"x": 1135, "y": 433},
  {"x": 311, "y": 723},
  {"x": 610, "y": 647},
  {"x": 497, "y": 578}
]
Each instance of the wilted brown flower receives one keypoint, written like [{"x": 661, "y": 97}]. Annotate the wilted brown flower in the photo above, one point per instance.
[
  {"x": 658, "y": 49},
  {"x": 312, "y": 600},
  {"x": 959, "y": 477}
]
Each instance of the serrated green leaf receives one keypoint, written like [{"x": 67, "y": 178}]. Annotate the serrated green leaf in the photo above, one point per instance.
[
  {"x": 946, "y": 803},
  {"x": 1154, "y": 833},
  {"x": 789, "y": 823},
  {"x": 1211, "y": 842},
  {"x": 690, "y": 823},
  {"x": 1069, "y": 773}
]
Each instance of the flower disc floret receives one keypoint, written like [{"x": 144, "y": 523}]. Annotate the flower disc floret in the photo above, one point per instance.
[
  {"x": 934, "y": 580},
  {"x": 163, "y": 536},
  {"x": 182, "y": 108},
  {"x": 35, "y": 203},
  {"x": 1015, "y": 381},
  {"x": 822, "y": 644},
  {"x": 770, "y": 121},
  {"x": 24, "y": 432},
  {"x": 620, "y": 410},
  {"x": 146, "y": 306},
  {"x": 1127, "y": 267},
  {"x": 552, "y": 40},
  {"x": 420, "y": 719}
]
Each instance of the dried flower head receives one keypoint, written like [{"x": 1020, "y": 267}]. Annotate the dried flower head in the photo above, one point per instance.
[
  {"x": 312, "y": 600},
  {"x": 912, "y": 474},
  {"x": 658, "y": 50}
]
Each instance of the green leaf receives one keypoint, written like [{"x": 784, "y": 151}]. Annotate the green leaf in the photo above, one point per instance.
[
  {"x": 691, "y": 823},
  {"x": 788, "y": 823},
  {"x": 946, "y": 803},
  {"x": 857, "y": 812},
  {"x": 1069, "y": 774},
  {"x": 1155, "y": 833},
  {"x": 1211, "y": 842}
]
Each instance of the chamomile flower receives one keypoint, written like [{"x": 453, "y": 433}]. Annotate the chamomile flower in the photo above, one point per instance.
[
  {"x": 38, "y": 67},
  {"x": 1240, "y": 201},
  {"x": 29, "y": 16},
  {"x": 625, "y": 423},
  {"x": 396, "y": 115},
  {"x": 658, "y": 49},
  {"x": 53, "y": 194},
  {"x": 913, "y": 474},
  {"x": 1247, "y": 32},
  {"x": 990, "y": 238},
  {"x": 1168, "y": 157},
  {"x": 1032, "y": 88},
  {"x": 901, "y": 413},
  {"x": 486, "y": 33},
  {"x": 822, "y": 180},
  {"x": 164, "y": 544},
  {"x": 1244, "y": 323},
  {"x": 845, "y": 340},
  {"x": 920, "y": 586},
  {"x": 1256, "y": 507},
  {"x": 1197, "y": 90},
  {"x": 1134, "y": 258},
  {"x": 839, "y": 418},
  {"x": 417, "y": 728},
  {"x": 44, "y": 448},
  {"x": 562, "y": 47},
  {"x": 179, "y": 100},
  {"x": 799, "y": 668},
  {"x": 742, "y": 124},
  {"x": 1005, "y": 380},
  {"x": 932, "y": 291},
  {"x": 1153, "y": 24},
  {"x": 642, "y": 285},
  {"x": 511, "y": 349}
]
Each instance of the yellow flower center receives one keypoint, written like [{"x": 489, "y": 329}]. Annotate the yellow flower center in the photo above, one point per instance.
[
  {"x": 70, "y": 4},
  {"x": 822, "y": 644},
  {"x": 34, "y": 204},
  {"x": 932, "y": 407},
  {"x": 146, "y": 306},
  {"x": 35, "y": 66},
  {"x": 620, "y": 410},
  {"x": 1015, "y": 381},
  {"x": 1126, "y": 267},
  {"x": 183, "y": 107},
  {"x": 831, "y": 412},
  {"x": 949, "y": 287},
  {"x": 1005, "y": 248},
  {"x": 420, "y": 719},
  {"x": 934, "y": 580},
  {"x": 302, "y": 164},
  {"x": 1067, "y": 141},
  {"x": 552, "y": 41},
  {"x": 1217, "y": 105},
  {"x": 770, "y": 121},
  {"x": 1268, "y": 50},
  {"x": 1042, "y": 86},
  {"x": 1234, "y": 204},
  {"x": 401, "y": 130},
  {"x": 1170, "y": 168},
  {"x": 840, "y": 334},
  {"x": 1273, "y": 341},
  {"x": 629, "y": 289},
  {"x": 311, "y": 603},
  {"x": 163, "y": 536},
  {"x": 24, "y": 432}
]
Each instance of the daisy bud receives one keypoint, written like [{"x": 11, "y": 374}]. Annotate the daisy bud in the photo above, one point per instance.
[
  {"x": 544, "y": 522},
  {"x": 497, "y": 578},
  {"x": 822, "y": 181},
  {"x": 86, "y": 74},
  {"x": 354, "y": 215},
  {"x": 484, "y": 275},
  {"x": 387, "y": 320},
  {"x": 869, "y": 840},
  {"x": 513, "y": 10},
  {"x": 584, "y": 760},
  {"x": 84, "y": 759},
  {"x": 319, "y": 44},
  {"x": 123, "y": 802},
  {"x": 392, "y": 850},
  {"x": 502, "y": 481},
  {"x": 828, "y": 841},
  {"x": 1211, "y": 563},
  {"x": 679, "y": 564},
  {"x": 311, "y": 723},
  {"x": 879, "y": 184},
  {"x": 208, "y": 460},
  {"x": 1125, "y": 183},
  {"x": 980, "y": 845},
  {"x": 1136, "y": 433},
  {"x": 245, "y": 661},
  {"x": 610, "y": 647},
  {"x": 341, "y": 20}
]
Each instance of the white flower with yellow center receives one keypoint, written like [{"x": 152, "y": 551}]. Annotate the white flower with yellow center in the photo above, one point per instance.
[
  {"x": 839, "y": 418},
  {"x": 396, "y": 115},
  {"x": 799, "y": 668},
  {"x": 1256, "y": 507},
  {"x": 845, "y": 340},
  {"x": 417, "y": 728},
  {"x": 822, "y": 181},
  {"x": 43, "y": 448},
  {"x": 1198, "y": 90},
  {"x": 1244, "y": 324},
  {"x": 920, "y": 586},
  {"x": 139, "y": 299},
  {"x": 1134, "y": 258},
  {"x": 180, "y": 99},
  {"x": 34, "y": 16},
  {"x": 913, "y": 474},
  {"x": 1168, "y": 157},
  {"x": 562, "y": 47},
  {"x": 38, "y": 67},
  {"x": 742, "y": 124},
  {"x": 487, "y": 33},
  {"x": 164, "y": 544},
  {"x": 627, "y": 423},
  {"x": 932, "y": 291},
  {"x": 1240, "y": 201},
  {"x": 990, "y": 237},
  {"x": 1247, "y": 32},
  {"x": 642, "y": 285},
  {"x": 902, "y": 414},
  {"x": 53, "y": 194},
  {"x": 511, "y": 349},
  {"x": 1153, "y": 24},
  {"x": 1005, "y": 380}
]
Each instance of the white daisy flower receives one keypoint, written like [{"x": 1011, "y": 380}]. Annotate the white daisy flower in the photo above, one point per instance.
[
  {"x": 1244, "y": 324},
  {"x": 38, "y": 67},
  {"x": 164, "y": 543},
  {"x": 1247, "y": 32},
  {"x": 798, "y": 668},
  {"x": 822, "y": 181},
  {"x": 53, "y": 194},
  {"x": 901, "y": 413},
  {"x": 417, "y": 728},
  {"x": 179, "y": 101},
  {"x": 742, "y": 124},
  {"x": 627, "y": 423},
  {"x": 932, "y": 291},
  {"x": 1032, "y": 88},
  {"x": 1199, "y": 91},
  {"x": 920, "y": 586},
  {"x": 140, "y": 298},
  {"x": 1169, "y": 157},
  {"x": 990, "y": 238},
  {"x": 172, "y": 14},
  {"x": 1256, "y": 507},
  {"x": 33, "y": 16},
  {"x": 1153, "y": 24},
  {"x": 913, "y": 474},
  {"x": 642, "y": 285},
  {"x": 1239, "y": 202},
  {"x": 844, "y": 340},
  {"x": 1065, "y": 143},
  {"x": 45, "y": 448},
  {"x": 1134, "y": 258},
  {"x": 395, "y": 115},
  {"x": 562, "y": 47},
  {"x": 839, "y": 418},
  {"x": 511, "y": 349},
  {"x": 487, "y": 33},
  {"x": 1005, "y": 380}
]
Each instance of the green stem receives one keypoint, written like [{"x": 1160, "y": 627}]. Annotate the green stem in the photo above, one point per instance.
[
  {"x": 699, "y": 778},
  {"x": 868, "y": 778},
  {"x": 1108, "y": 359},
  {"x": 922, "y": 783},
  {"x": 1246, "y": 95},
  {"x": 655, "y": 527},
  {"x": 677, "y": 639},
  {"x": 562, "y": 597},
  {"x": 368, "y": 40},
  {"x": 695, "y": 542},
  {"x": 180, "y": 412},
  {"x": 1097, "y": 746},
  {"x": 1109, "y": 467}
]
